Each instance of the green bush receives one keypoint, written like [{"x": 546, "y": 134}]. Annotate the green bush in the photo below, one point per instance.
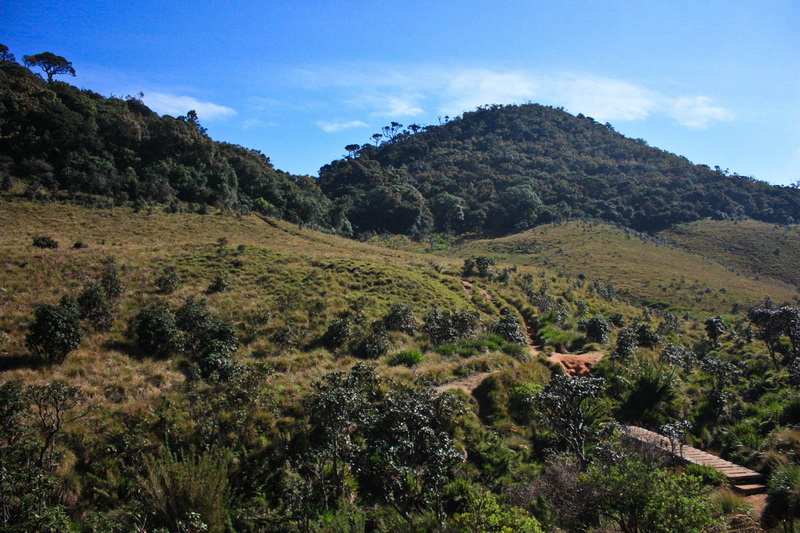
[
  {"x": 219, "y": 284},
  {"x": 337, "y": 333},
  {"x": 156, "y": 331},
  {"x": 408, "y": 358},
  {"x": 168, "y": 282},
  {"x": 110, "y": 279},
  {"x": 401, "y": 318},
  {"x": 55, "y": 331},
  {"x": 42, "y": 241},
  {"x": 373, "y": 345},
  {"x": 95, "y": 307}
]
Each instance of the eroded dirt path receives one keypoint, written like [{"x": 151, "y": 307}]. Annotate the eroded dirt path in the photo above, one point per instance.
[
  {"x": 574, "y": 364},
  {"x": 467, "y": 384}
]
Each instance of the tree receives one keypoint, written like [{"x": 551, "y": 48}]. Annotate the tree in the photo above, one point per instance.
[
  {"x": 597, "y": 329},
  {"x": 96, "y": 307},
  {"x": 642, "y": 498},
  {"x": 715, "y": 327},
  {"x": 55, "y": 331},
  {"x": 410, "y": 453},
  {"x": 50, "y": 63},
  {"x": 5, "y": 55},
  {"x": 568, "y": 406},
  {"x": 156, "y": 331},
  {"x": 486, "y": 515}
]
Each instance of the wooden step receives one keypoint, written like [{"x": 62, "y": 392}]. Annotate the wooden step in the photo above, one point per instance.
[
  {"x": 751, "y": 477},
  {"x": 749, "y": 490}
]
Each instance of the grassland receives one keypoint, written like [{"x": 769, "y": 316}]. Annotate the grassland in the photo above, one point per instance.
[
  {"x": 756, "y": 249},
  {"x": 653, "y": 274}
]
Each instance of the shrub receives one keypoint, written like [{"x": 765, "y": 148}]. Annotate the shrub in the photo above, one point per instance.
[
  {"x": 486, "y": 515},
  {"x": 401, "y": 318},
  {"x": 176, "y": 487},
  {"x": 408, "y": 358},
  {"x": 110, "y": 279},
  {"x": 168, "y": 282},
  {"x": 219, "y": 284},
  {"x": 79, "y": 244},
  {"x": 509, "y": 328},
  {"x": 597, "y": 329},
  {"x": 41, "y": 241},
  {"x": 373, "y": 345},
  {"x": 448, "y": 327},
  {"x": 337, "y": 333},
  {"x": 95, "y": 307},
  {"x": 55, "y": 331},
  {"x": 156, "y": 331}
]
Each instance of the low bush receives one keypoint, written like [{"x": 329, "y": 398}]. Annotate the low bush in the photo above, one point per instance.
[
  {"x": 42, "y": 241},
  {"x": 407, "y": 358}
]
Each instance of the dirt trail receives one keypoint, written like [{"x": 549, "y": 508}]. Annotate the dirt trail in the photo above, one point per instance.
[
  {"x": 467, "y": 384},
  {"x": 574, "y": 364},
  {"x": 469, "y": 288}
]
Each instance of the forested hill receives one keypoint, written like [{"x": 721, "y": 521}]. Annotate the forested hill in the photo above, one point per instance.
[
  {"x": 502, "y": 169},
  {"x": 56, "y": 139}
]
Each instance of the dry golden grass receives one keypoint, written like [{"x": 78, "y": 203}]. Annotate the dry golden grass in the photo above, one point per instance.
[{"x": 651, "y": 273}]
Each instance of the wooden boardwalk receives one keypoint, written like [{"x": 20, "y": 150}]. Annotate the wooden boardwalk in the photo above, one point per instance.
[{"x": 743, "y": 480}]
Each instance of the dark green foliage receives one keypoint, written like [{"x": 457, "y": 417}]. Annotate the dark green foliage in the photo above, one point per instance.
[
  {"x": 643, "y": 498},
  {"x": 78, "y": 245},
  {"x": 177, "y": 486},
  {"x": 219, "y": 284},
  {"x": 96, "y": 307},
  {"x": 50, "y": 64},
  {"x": 42, "y": 241},
  {"x": 110, "y": 280},
  {"x": 338, "y": 332},
  {"x": 410, "y": 357},
  {"x": 715, "y": 327},
  {"x": 502, "y": 169},
  {"x": 509, "y": 328},
  {"x": 676, "y": 355},
  {"x": 480, "y": 265},
  {"x": 597, "y": 329},
  {"x": 61, "y": 138},
  {"x": 401, "y": 318},
  {"x": 31, "y": 420},
  {"x": 652, "y": 392},
  {"x": 784, "y": 492},
  {"x": 208, "y": 341},
  {"x": 373, "y": 344},
  {"x": 168, "y": 281},
  {"x": 627, "y": 343},
  {"x": 569, "y": 407},
  {"x": 645, "y": 336},
  {"x": 156, "y": 331},
  {"x": 55, "y": 331},
  {"x": 446, "y": 327}
]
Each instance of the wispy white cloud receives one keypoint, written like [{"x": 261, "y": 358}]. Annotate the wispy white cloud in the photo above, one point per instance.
[
  {"x": 334, "y": 127},
  {"x": 699, "y": 112},
  {"x": 467, "y": 89},
  {"x": 407, "y": 91},
  {"x": 604, "y": 99},
  {"x": 171, "y": 104}
]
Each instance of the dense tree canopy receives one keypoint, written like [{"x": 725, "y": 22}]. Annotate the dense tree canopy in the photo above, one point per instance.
[
  {"x": 503, "y": 169},
  {"x": 55, "y": 138}
]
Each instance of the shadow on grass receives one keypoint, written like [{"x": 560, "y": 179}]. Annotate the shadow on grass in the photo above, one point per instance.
[{"x": 16, "y": 362}]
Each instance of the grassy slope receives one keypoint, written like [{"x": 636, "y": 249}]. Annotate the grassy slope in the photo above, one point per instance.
[
  {"x": 754, "y": 248},
  {"x": 285, "y": 275},
  {"x": 650, "y": 272}
]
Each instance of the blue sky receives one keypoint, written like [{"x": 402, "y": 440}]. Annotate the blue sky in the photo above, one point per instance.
[{"x": 718, "y": 83}]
